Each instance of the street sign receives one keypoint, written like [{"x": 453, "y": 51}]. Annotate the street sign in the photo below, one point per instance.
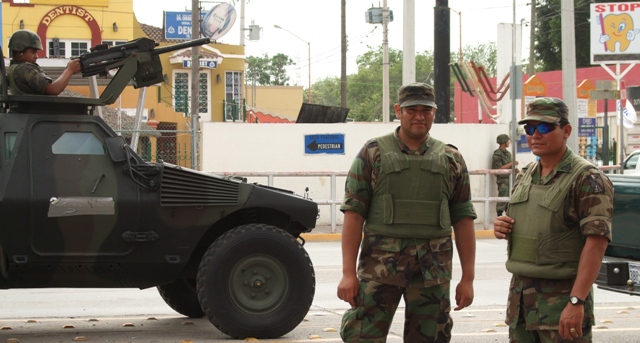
[
  {"x": 604, "y": 94},
  {"x": 177, "y": 25},
  {"x": 586, "y": 127},
  {"x": 203, "y": 63},
  {"x": 324, "y": 144},
  {"x": 606, "y": 85}
]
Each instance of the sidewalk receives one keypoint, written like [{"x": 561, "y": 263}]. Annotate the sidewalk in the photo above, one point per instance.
[{"x": 323, "y": 233}]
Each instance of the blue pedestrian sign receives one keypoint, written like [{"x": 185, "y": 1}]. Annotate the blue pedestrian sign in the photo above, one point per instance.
[{"x": 332, "y": 143}]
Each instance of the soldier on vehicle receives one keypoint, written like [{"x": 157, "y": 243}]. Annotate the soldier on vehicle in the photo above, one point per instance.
[
  {"x": 406, "y": 190},
  {"x": 25, "y": 76},
  {"x": 501, "y": 159},
  {"x": 558, "y": 223}
]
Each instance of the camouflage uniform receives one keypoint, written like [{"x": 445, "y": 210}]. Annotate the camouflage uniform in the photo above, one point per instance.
[
  {"x": 26, "y": 78},
  {"x": 391, "y": 267},
  {"x": 535, "y": 304},
  {"x": 500, "y": 158}
]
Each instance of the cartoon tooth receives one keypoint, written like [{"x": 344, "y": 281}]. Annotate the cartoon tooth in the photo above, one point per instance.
[{"x": 616, "y": 27}]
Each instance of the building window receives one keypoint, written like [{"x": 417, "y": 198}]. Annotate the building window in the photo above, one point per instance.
[
  {"x": 233, "y": 96},
  {"x": 182, "y": 93},
  {"x": 66, "y": 48},
  {"x": 111, "y": 43}
]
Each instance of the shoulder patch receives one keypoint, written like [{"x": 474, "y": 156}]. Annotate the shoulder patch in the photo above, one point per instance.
[
  {"x": 596, "y": 184},
  {"x": 453, "y": 146}
]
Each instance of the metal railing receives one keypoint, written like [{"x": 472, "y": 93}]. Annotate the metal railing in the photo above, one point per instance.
[{"x": 333, "y": 202}]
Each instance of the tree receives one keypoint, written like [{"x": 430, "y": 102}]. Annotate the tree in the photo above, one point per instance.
[
  {"x": 364, "y": 91},
  {"x": 269, "y": 71},
  {"x": 548, "y": 33},
  {"x": 483, "y": 54},
  {"x": 278, "y": 71}
]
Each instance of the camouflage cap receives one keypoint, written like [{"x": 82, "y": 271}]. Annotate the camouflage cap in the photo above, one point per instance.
[
  {"x": 502, "y": 138},
  {"x": 416, "y": 93},
  {"x": 549, "y": 110}
]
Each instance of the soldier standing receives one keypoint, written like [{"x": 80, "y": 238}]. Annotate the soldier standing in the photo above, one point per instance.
[
  {"x": 501, "y": 159},
  {"x": 25, "y": 76},
  {"x": 558, "y": 224},
  {"x": 405, "y": 191}
]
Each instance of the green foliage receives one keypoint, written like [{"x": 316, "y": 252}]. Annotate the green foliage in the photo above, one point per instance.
[
  {"x": 268, "y": 71},
  {"x": 548, "y": 33}
]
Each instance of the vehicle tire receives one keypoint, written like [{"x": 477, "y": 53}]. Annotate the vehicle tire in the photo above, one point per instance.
[
  {"x": 182, "y": 297},
  {"x": 256, "y": 281}
]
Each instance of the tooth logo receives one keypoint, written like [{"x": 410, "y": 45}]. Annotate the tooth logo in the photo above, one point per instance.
[{"x": 617, "y": 30}]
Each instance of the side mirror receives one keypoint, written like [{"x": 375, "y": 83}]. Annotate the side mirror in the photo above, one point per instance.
[{"x": 115, "y": 147}]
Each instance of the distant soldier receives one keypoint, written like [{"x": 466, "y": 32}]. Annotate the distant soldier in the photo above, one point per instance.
[
  {"x": 501, "y": 159},
  {"x": 558, "y": 224},
  {"x": 25, "y": 76}
]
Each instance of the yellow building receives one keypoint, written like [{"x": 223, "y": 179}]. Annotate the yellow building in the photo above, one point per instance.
[{"x": 69, "y": 28}]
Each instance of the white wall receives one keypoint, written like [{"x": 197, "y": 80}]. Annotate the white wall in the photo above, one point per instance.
[{"x": 242, "y": 147}]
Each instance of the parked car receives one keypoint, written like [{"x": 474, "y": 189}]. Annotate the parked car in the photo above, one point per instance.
[{"x": 631, "y": 165}]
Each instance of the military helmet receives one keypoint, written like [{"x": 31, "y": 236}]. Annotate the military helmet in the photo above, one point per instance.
[
  {"x": 502, "y": 139},
  {"x": 23, "y": 39}
]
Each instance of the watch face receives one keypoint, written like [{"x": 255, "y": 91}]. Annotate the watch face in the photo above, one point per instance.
[{"x": 574, "y": 300}]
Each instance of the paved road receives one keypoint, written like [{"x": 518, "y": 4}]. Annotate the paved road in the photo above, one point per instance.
[{"x": 126, "y": 315}]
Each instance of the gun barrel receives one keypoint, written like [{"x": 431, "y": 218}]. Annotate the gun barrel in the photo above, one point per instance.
[{"x": 189, "y": 44}]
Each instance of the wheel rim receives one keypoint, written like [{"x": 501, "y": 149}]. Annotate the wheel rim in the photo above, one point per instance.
[{"x": 258, "y": 284}]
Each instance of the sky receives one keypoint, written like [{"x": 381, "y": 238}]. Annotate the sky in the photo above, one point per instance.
[{"x": 318, "y": 22}]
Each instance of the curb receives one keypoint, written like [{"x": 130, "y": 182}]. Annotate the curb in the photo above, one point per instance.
[{"x": 336, "y": 237}]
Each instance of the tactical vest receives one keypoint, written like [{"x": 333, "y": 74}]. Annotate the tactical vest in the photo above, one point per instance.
[
  {"x": 411, "y": 198},
  {"x": 540, "y": 244}
]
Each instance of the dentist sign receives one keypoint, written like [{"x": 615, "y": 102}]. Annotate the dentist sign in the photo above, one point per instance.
[{"x": 615, "y": 32}]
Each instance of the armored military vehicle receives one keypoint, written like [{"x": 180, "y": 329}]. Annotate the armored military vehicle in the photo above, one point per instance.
[{"x": 79, "y": 208}]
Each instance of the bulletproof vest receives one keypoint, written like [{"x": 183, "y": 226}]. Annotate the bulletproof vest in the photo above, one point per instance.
[
  {"x": 540, "y": 244},
  {"x": 412, "y": 193}
]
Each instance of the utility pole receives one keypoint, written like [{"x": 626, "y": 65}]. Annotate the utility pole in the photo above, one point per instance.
[
  {"x": 343, "y": 54},
  {"x": 532, "y": 37},
  {"x": 195, "y": 71},
  {"x": 442, "y": 48},
  {"x": 409, "y": 42},
  {"x": 385, "y": 63},
  {"x": 568, "y": 50}
]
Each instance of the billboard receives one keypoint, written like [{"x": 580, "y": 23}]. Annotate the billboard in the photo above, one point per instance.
[{"x": 615, "y": 29}]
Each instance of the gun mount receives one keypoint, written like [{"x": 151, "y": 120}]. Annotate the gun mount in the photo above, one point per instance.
[{"x": 137, "y": 61}]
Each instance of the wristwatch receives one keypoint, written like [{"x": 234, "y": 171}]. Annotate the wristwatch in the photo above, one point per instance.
[{"x": 575, "y": 300}]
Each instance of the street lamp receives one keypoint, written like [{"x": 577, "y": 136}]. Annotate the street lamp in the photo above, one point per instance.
[{"x": 309, "y": 52}]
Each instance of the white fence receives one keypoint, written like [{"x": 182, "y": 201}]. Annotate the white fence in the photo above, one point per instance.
[{"x": 333, "y": 202}]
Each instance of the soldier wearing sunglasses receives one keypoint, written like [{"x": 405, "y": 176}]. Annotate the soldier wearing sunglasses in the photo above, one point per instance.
[{"x": 558, "y": 224}]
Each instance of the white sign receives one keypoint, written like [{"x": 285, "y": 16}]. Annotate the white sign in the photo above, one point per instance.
[
  {"x": 615, "y": 32},
  {"x": 203, "y": 63}
]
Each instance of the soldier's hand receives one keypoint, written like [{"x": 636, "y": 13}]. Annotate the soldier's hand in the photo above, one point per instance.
[
  {"x": 502, "y": 226},
  {"x": 74, "y": 65},
  {"x": 464, "y": 294},
  {"x": 570, "y": 326},
  {"x": 348, "y": 289}
]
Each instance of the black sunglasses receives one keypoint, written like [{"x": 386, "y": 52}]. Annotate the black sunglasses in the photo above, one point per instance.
[{"x": 543, "y": 128}]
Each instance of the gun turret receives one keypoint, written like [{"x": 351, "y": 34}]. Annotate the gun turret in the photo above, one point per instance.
[{"x": 103, "y": 58}]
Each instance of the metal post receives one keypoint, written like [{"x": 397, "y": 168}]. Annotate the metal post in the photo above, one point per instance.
[
  {"x": 385, "y": 63},
  {"x": 605, "y": 135},
  {"x": 135, "y": 136},
  {"x": 195, "y": 71}
]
